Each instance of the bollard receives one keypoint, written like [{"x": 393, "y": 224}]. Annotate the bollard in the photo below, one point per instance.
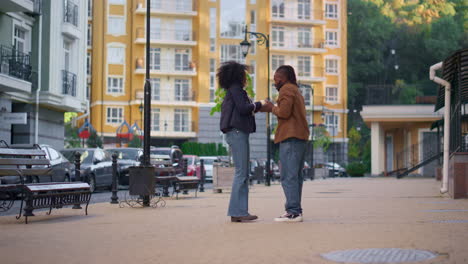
[
  {"x": 114, "y": 197},
  {"x": 202, "y": 176},
  {"x": 185, "y": 167},
  {"x": 77, "y": 176}
]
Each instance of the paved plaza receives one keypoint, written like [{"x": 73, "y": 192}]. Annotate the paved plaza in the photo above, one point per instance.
[{"x": 339, "y": 214}]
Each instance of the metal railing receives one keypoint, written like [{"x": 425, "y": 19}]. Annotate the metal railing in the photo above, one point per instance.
[
  {"x": 292, "y": 41},
  {"x": 304, "y": 72},
  {"x": 417, "y": 155},
  {"x": 167, "y": 65},
  {"x": 171, "y": 125},
  {"x": 167, "y": 34},
  {"x": 15, "y": 63},
  {"x": 68, "y": 83},
  {"x": 70, "y": 13},
  {"x": 298, "y": 13},
  {"x": 168, "y": 5},
  {"x": 171, "y": 95}
]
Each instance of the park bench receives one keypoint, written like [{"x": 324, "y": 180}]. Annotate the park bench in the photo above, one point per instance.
[
  {"x": 27, "y": 162},
  {"x": 184, "y": 184}
]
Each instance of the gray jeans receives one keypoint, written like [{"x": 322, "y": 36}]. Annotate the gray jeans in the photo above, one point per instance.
[
  {"x": 291, "y": 155},
  {"x": 239, "y": 143}
]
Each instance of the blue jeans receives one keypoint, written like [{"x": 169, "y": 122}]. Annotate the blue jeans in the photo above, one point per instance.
[
  {"x": 239, "y": 143},
  {"x": 291, "y": 155}
]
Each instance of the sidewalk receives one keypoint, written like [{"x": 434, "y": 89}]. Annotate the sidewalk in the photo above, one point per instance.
[{"x": 339, "y": 214}]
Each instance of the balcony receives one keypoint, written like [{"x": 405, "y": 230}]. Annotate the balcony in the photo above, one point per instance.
[
  {"x": 293, "y": 44},
  {"x": 296, "y": 15},
  {"x": 68, "y": 83},
  {"x": 167, "y": 37},
  {"x": 167, "y": 67},
  {"x": 173, "y": 129},
  {"x": 305, "y": 73},
  {"x": 170, "y": 97},
  {"x": 17, "y": 6},
  {"x": 15, "y": 70},
  {"x": 70, "y": 19},
  {"x": 167, "y": 8}
]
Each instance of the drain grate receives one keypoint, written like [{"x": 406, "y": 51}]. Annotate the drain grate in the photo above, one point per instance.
[{"x": 379, "y": 255}]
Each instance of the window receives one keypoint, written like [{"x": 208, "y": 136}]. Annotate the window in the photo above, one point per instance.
[
  {"x": 303, "y": 9},
  {"x": 54, "y": 155},
  {"x": 70, "y": 12},
  {"x": 331, "y": 66},
  {"x": 19, "y": 39},
  {"x": 155, "y": 88},
  {"x": 90, "y": 9},
  {"x": 212, "y": 79},
  {"x": 303, "y": 66},
  {"x": 331, "y": 38},
  {"x": 253, "y": 2},
  {"x": 117, "y": 2},
  {"x": 331, "y": 123},
  {"x": 116, "y": 25},
  {"x": 89, "y": 36},
  {"x": 114, "y": 115},
  {"x": 276, "y": 61},
  {"x": 115, "y": 55},
  {"x": 304, "y": 37},
  {"x": 67, "y": 55},
  {"x": 156, "y": 4},
  {"x": 278, "y": 36},
  {"x": 183, "y": 30},
  {"x": 182, "y": 90},
  {"x": 213, "y": 28},
  {"x": 253, "y": 21},
  {"x": 277, "y": 8},
  {"x": 231, "y": 52},
  {"x": 88, "y": 63},
  {"x": 155, "y": 119},
  {"x": 181, "y": 120},
  {"x": 233, "y": 18},
  {"x": 331, "y": 94},
  {"x": 331, "y": 10},
  {"x": 155, "y": 29},
  {"x": 155, "y": 59},
  {"x": 306, "y": 91},
  {"x": 115, "y": 85},
  {"x": 182, "y": 60}
]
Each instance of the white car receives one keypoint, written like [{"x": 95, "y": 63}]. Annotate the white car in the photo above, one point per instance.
[
  {"x": 208, "y": 163},
  {"x": 339, "y": 171}
]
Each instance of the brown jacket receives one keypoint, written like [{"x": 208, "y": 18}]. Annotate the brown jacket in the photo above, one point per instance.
[{"x": 291, "y": 113}]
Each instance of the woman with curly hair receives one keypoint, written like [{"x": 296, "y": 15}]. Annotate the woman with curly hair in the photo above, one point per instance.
[{"x": 238, "y": 122}]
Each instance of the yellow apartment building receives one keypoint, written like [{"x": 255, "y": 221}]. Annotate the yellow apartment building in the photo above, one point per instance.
[{"x": 189, "y": 41}]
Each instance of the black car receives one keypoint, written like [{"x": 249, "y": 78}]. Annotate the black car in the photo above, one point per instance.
[
  {"x": 96, "y": 166},
  {"x": 126, "y": 157},
  {"x": 62, "y": 169}
]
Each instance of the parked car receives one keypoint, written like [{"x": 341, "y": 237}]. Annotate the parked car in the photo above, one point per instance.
[
  {"x": 62, "y": 169},
  {"x": 338, "y": 171},
  {"x": 273, "y": 166},
  {"x": 193, "y": 165},
  {"x": 168, "y": 158},
  {"x": 126, "y": 158},
  {"x": 96, "y": 166},
  {"x": 208, "y": 162}
]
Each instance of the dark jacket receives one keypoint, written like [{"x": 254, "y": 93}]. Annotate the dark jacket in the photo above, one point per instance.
[{"x": 237, "y": 111}]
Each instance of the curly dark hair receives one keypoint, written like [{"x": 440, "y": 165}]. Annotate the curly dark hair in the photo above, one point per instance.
[
  {"x": 288, "y": 72},
  {"x": 230, "y": 73}
]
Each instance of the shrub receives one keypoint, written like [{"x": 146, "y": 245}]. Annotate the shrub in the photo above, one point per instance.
[{"x": 356, "y": 169}]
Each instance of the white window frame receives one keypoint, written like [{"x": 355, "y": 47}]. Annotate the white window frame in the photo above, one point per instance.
[
  {"x": 117, "y": 49},
  {"x": 212, "y": 79},
  {"x": 335, "y": 43},
  {"x": 88, "y": 64},
  {"x": 331, "y": 10},
  {"x": 90, "y": 9},
  {"x": 277, "y": 60},
  {"x": 332, "y": 65},
  {"x": 119, "y": 88},
  {"x": 235, "y": 56},
  {"x": 332, "y": 98},
  {"x": 154, "y": 66},
  {"x": 332, "y": 123},
  {"x": 155, "y": 93},
  {"x": 116, "y": 31},
  {"x": 306, "y": 91},
  {"x": 278, "y": 36},
  {"x": 181, "y": 127},
  {"x": 183, "y": 62},
  {"x": 306, "y": 35},
  {"x": 27, "y": 36},
  {"x": 114, "y": 120},
  {"x": 306, "y": 9},
  {"x": 182, "y": 90},
  {"x": 117, "y": 2},
  {"x": 155, "y": 29},
  {"x": 280, "y": 6},
  {"x": 305, "y": 60},
  {"x": 155, "y": 125},
  {"x": 213, "y": 28},
  {"x": 67, "y": 54},
  {"x": 89, "y": 35}
]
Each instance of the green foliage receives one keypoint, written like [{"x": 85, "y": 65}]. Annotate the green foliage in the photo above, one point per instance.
[
  {"x": 71, "y": 136},
  {"x": 220, "y": 93},
  {"x": 354, "y": 144},
  {"x": 94, "y": 141},
  {"x": 136, "y": 142},
  {"x": 321, "y": 139},
  {"x": 67, "y": 116},
  {"x": 366, "y": 155},
  {"x": 355, "y": 169},
  {"x": 204, "y": 149},
  {"x": 406, "y": 93}
]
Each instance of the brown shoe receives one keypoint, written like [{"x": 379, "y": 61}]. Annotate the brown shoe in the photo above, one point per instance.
[{"x": 243, "y": 218}]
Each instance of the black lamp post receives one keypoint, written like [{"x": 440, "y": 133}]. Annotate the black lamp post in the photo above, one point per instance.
[{"x": 245, "y": 45}]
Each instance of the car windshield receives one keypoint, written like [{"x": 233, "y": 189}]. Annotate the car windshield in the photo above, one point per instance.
[
  {"x": 209, "y": 161},
  {"x": 86, "y": 155},
  {"x": 122, "y": 154},
  {"x": 160, "y": 152}
]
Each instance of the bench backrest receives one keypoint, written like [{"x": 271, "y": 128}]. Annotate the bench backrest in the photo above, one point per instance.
[{"x": 16, "y": 162}]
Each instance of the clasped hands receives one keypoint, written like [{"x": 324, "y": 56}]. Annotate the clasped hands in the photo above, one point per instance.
[{"x": 267, "y": 106}]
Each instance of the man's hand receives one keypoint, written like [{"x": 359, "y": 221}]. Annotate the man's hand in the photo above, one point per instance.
[{"x": 267, "y": 107}]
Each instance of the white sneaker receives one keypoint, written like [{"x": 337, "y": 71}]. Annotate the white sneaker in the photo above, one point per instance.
[{"x": 289, "y": 218}]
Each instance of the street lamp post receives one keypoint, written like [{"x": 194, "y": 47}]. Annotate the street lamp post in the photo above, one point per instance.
[{"x": 245, "y": 45}]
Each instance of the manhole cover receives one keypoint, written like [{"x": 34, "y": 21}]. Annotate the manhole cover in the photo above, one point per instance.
[{"x": 379, "y": 255}]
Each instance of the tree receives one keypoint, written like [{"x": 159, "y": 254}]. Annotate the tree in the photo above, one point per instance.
[
  {"x": 135, "y": 142},
  {"x": 71, "y": 136},
  {"x": 354, "y": 144},
  {"x": 94, "y": 141}
]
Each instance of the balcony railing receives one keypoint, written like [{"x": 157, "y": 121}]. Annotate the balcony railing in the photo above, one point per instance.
[
  {"x": 68, "y": 83},
  {"x": 70, "y": 13},
  {"x": 167, "y": 5},
  {"x": 171, "y": 95},
  {"x": 167, "y": 66},
  {"x": 15, "y": 63},
  {"x": 171, "y": 126},
  {"x": 281, "y": 12},
  {"x": 166, "y": 35},
  {"x": 293, "y": 42},
  {"x": 304, "y": 72}
]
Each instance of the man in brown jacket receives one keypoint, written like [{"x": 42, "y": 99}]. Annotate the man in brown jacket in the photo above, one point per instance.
[{"x": 292, "y": 134}]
